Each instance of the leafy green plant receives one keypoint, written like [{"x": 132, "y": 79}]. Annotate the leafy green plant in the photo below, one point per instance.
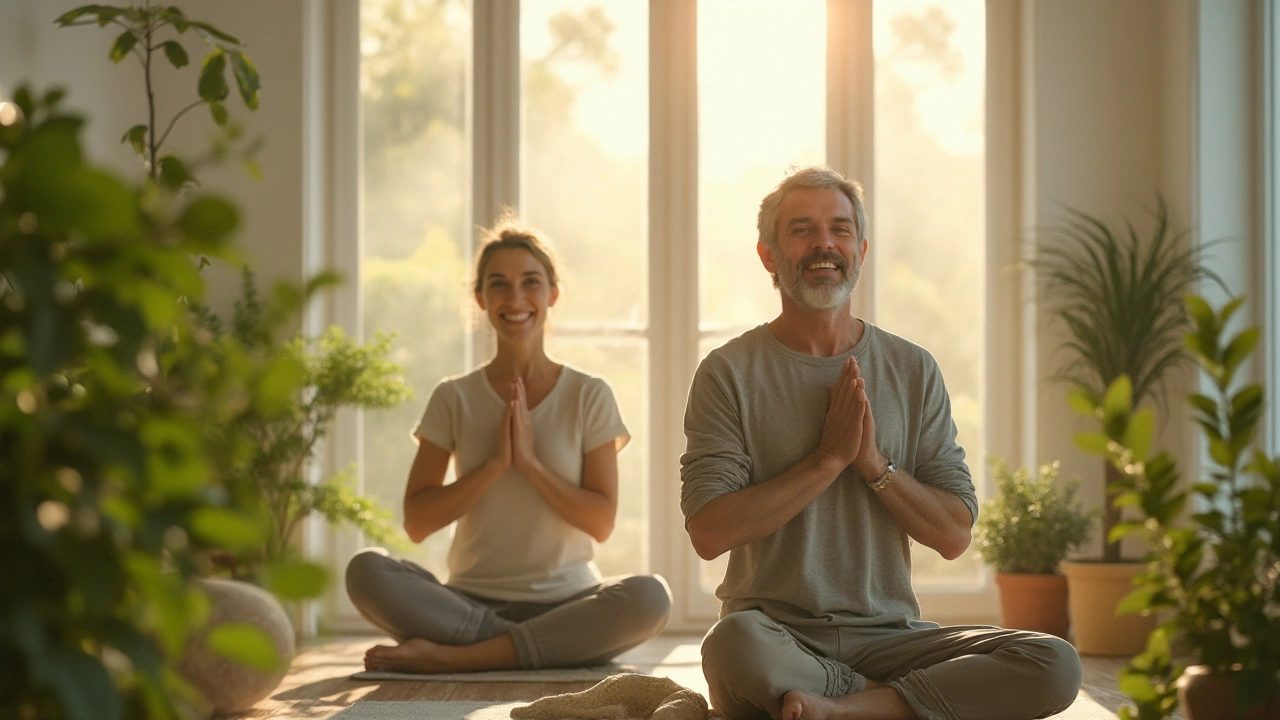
[
  {"x": 1216, "y": 574},
  {"x": 1119, "y": 297},
  {"x": 337, "y": 373},
  {"x": 110, "y": 485},
  {"x": 148, "y": 31},
  {"x": 1031, "y": 524}
]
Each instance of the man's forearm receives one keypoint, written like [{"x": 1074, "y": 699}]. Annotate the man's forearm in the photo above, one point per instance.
[
  {"x": 758, "y": 510},
  {"x": 932, "y": 517}
]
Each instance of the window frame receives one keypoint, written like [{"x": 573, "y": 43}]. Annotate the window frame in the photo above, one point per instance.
[{"x": 494, "y": 129}]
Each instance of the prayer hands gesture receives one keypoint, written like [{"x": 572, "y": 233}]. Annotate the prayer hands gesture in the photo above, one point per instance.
[
  {"x": 523, "y": 455},
  {"x": 843, "y": 430}
]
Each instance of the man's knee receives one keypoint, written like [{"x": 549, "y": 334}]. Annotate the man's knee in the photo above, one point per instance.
[
  {"x": 1063, "y": 671},
  {"x": 736, "y": 663}
]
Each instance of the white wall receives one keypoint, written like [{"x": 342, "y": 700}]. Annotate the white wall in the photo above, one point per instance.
[{"x": 32, "y": 49}]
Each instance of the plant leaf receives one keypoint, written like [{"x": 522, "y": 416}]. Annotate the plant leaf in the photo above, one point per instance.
[
  {"x": 176, "y": 53},
  {"x": 123, "y": 45},
  {"x": 1094, "y": 442},
  {"x": 1137, "y": 436},
  {"x": 219, "y": 112},
  {"x": 136, "y": 136},
  {"x": 173, "y": 173},
  {"x": 227, "y": 528},
  {"x": 246, "y": 644},
  {"x": 213, "y": 83},
  {"x": 1119, "y": 398},
  {"x": 247, "y": 80},
  {"x": 209, "y": 218},
  {"x": 296, "y": 580},
  {"x": 1083, "y": 401}
]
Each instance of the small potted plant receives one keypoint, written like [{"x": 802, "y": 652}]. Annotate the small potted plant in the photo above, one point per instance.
[
  {"x": 1213, "y": 573},
  {"x": 1024, "y": 532}
]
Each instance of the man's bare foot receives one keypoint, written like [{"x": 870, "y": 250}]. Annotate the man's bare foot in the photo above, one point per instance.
[
  {"x": 798, "y": 704},
  {"x": 414, "y": 655},
  {"x": 876, "y": 702}
]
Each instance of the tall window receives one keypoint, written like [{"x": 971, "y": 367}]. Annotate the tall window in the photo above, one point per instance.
[
  {"x": 584, "y": 138},
  {"x": 929, "y": 202}
]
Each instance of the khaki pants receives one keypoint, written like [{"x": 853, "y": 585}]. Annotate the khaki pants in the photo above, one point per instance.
[
  {"x": 947, "y": 673},
  {"x": 405, "y": 600}
]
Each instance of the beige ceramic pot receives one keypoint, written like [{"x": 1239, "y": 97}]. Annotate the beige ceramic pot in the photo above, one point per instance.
[{"x": 1095, "y": 589}]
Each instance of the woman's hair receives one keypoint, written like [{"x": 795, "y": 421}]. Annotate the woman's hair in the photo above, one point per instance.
[{"x": 508, "y": 232}]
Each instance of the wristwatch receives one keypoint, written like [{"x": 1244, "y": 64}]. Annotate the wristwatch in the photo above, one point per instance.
[{"x": 883, "y": 481}]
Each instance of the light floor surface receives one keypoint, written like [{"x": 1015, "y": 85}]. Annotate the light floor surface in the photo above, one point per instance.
[{"x": 318, "y": 684}]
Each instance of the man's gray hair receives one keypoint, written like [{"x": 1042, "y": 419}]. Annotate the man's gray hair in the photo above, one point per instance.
[{"x": 815, "y": 176}]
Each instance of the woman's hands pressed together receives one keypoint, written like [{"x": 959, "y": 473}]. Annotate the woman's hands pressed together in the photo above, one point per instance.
[{"x": 523, "y": 454}]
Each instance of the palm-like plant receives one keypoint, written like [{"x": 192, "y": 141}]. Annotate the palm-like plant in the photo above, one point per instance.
[{"x": 1120, "y": 297}]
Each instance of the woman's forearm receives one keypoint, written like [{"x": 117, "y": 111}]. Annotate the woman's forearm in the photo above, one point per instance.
[
  {"x": 583, "y": 508},
  {"x": 431, "y": 508}
]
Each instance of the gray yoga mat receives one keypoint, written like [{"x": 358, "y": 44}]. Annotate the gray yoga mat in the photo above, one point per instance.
[{"x": 550, "y": 675}]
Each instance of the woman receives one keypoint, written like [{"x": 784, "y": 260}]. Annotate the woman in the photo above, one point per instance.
[{"x": 535, "y": 447}]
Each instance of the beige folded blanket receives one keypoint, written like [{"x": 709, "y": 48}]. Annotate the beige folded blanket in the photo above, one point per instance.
[{"x": 627, "y": 696}]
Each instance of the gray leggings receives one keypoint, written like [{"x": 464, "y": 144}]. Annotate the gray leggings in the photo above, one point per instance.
[
  {"x": 947, "y": 673},
  {"x": 406, "y": 601}
]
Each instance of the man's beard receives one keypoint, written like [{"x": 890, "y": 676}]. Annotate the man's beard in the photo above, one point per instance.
[{"x": 828, "y": 294}]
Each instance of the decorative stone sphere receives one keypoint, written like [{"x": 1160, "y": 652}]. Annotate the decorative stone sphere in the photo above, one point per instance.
[{"x": 227, "y": 685}]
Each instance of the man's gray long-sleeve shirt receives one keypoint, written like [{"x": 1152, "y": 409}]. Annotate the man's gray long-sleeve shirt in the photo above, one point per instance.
[{"x": 756, "y": 409}]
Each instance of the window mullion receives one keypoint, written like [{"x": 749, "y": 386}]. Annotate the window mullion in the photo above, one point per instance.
[
  {"x": 673, "y": 273},
  {"x": 851, "y": 117},
  {"x": 494, "y": 122}
]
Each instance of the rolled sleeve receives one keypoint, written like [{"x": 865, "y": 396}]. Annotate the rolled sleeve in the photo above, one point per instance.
[
  {"x": 940, "y": 460},
  {"x": 715, "y": 460}
]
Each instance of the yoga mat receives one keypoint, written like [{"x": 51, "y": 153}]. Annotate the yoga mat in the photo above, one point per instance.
[
  {"x": 425, "y": 710},
  {"x": 582, "y": 674}
]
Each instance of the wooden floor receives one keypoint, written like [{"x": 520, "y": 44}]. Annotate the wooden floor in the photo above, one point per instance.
[{"x": 318, "y": 686}]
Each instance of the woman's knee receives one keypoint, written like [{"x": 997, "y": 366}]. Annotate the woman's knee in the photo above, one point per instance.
[
  {"x": 366, "y": 573},
  {"x": 650, "y": 599}
]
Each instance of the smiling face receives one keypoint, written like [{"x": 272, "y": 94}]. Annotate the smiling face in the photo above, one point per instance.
[
  {"x": 818, "y": 258},
  {"x": 515, "y": 292}
]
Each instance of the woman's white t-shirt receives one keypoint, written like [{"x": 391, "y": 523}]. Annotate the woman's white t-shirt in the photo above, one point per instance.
[{"x": 511, "y": 545}]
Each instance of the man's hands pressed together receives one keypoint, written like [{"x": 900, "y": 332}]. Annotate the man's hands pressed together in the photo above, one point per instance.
[{"x": 849, "y": 430}]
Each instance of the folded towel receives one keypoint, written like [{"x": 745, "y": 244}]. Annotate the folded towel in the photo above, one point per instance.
[{"x": 627, "y": 696}]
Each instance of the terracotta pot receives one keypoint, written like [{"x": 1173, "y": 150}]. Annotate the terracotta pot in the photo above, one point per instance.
[
  {"x": 1095, "y": 589},
  {"x": 1206, "y": 695},
  {"x": 1034, "y": 602}
]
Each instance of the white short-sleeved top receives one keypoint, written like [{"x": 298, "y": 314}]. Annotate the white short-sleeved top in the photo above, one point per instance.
[{"x": 511, "y": 545}]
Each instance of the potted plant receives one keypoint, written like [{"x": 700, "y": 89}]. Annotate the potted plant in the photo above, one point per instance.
[
  {"x": 1024, "y": 532},
  {"x": 335, "y": 372},
  {"x": 109, "y": 483},
  {"x": 1118, "y": 297},
  {"x": 1214, "y": 573}
]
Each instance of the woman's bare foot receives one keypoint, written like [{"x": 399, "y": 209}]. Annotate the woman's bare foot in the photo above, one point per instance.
[
  {"x": 414, "y": 655},
  {"x": 417, "y": 655}
]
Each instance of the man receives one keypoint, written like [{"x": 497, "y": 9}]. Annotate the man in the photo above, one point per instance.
[{"x": 819, "y": 446}]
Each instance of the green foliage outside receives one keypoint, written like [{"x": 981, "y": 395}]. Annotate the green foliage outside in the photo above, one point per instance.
[
  {"x": 1216, "y": 574},
  {"x": 111, "y": 482},
  {"x": 336, "y": 373},
  {"x": 1119, "y": 295},
  {"x": 1031, "y": 524},
  {"x": 144, "y": 31}
]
